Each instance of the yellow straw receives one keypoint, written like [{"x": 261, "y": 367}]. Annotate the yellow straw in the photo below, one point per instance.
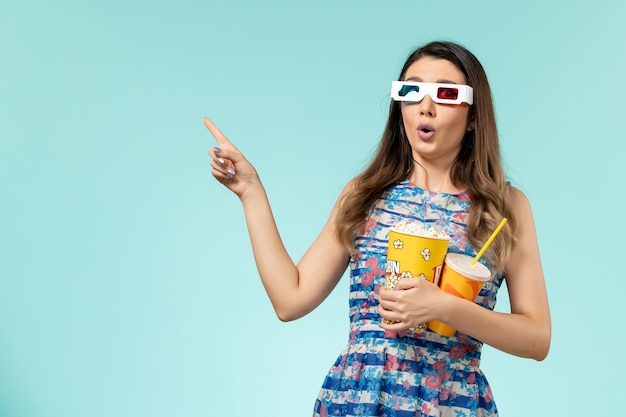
[{"x": 488, "y": 242}]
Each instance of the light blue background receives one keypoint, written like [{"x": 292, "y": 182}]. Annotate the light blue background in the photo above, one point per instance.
[{"x": 127, "y": 285}]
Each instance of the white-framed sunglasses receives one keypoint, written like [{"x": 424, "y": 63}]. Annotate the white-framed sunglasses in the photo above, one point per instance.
[{"x": 440, "y": 93}]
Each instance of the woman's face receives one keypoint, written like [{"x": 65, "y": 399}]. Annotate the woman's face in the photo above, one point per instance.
[{"x": 435, "y": 131}]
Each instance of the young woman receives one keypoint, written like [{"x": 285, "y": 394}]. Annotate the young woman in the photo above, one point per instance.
[{"x": 438, "y": 162}]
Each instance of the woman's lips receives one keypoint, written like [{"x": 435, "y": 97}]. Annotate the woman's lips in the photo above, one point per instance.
[{"x": 425, "y": 131}]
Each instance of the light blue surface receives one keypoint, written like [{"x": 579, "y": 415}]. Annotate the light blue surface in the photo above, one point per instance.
[{"x": 127, "y": 285}]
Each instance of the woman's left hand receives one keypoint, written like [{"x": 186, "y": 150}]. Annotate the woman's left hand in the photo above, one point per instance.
[{"x": 413, "y": 301}]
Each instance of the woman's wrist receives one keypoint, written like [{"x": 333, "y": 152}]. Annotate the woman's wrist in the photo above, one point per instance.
[
  {"x": 448, "y": 307},
  {"x": 253, "y": 194}
]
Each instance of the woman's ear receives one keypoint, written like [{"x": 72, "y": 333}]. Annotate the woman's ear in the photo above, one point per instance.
[{"x": 472, "y": 121}]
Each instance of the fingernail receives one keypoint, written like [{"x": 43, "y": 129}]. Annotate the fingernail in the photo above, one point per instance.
[
  {"x": 231, "y": 172},
  {"x": 217, "y": 150},
  {"x": 220, "y": 161}
]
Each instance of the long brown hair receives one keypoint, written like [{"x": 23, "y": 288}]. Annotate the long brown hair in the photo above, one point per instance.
[{"x": 477, "y": 166}]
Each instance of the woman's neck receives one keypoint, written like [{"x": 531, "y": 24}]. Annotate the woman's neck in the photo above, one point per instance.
[{"x": 433, "y": 178}]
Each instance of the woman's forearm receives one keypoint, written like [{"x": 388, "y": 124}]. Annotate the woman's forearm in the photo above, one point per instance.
[
  {"x": 515, "y": 333},
  {"x": 294, "y": 290},
  {"x": 277, "y": 270}
]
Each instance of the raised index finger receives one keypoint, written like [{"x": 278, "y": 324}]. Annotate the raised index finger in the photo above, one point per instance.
[{"x": 217, "y": 134}]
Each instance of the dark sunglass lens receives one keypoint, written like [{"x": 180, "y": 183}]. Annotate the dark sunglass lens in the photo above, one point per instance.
[
  {"x": 447, "y": 93},
  {"x": 406, "y": 89}
]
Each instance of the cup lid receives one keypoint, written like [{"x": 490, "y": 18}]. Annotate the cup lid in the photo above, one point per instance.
[{"x": 462, "y": 264}]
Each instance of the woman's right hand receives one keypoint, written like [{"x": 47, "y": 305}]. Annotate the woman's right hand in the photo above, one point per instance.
[{"x": 229, "y": 165}]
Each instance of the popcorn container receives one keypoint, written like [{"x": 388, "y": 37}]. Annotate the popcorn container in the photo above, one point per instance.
[
  {"x": 462, "y": 279},
  {"x": 414, "y": 252}
]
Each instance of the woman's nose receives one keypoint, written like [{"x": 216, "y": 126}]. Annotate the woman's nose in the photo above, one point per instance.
[{"x": 427, "y": 106}]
